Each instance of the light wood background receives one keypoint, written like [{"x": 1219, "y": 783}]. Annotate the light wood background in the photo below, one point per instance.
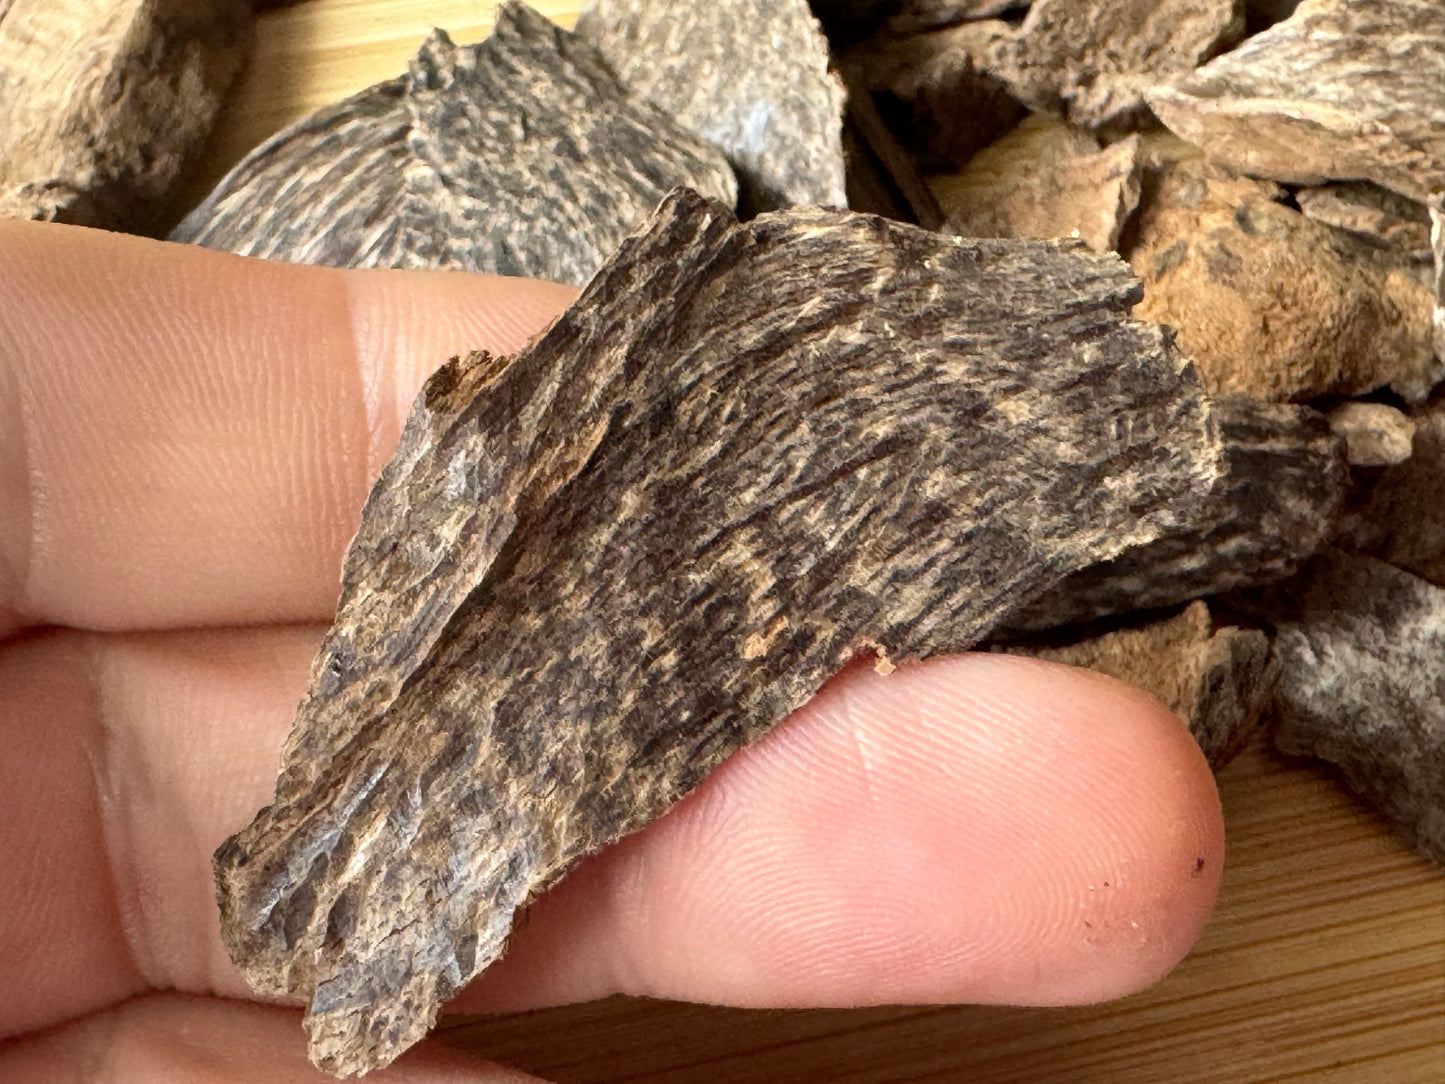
[{"x": 1325, "y": 960}]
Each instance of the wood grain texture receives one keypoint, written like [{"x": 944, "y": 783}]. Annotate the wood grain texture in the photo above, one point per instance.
[{"x": 1325, "y": 960}]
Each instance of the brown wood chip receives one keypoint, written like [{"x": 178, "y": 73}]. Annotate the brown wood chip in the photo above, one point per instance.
[{"x": 745, "y": 455}]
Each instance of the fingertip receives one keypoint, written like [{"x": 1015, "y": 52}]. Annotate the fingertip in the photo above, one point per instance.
[{"x": 984, "y": 829}]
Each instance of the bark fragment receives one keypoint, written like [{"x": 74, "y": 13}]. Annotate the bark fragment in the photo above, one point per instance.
[
  {"x": 1375, "y": 434},
  {"x": 1088, "y": 61},
  {"x": 592, "y": 572},
  {"x": 1045, "y": 179},
  {"x": 1361, "y": 686},
  {"x": 1271, "y": 303},
  {"x": 1277, "y": 503},
  {"x": 748, "y": 75},
  {"x": 1341, "y": 90},
  {"x": 1370, "y": 212},
  {"x": 103, "y": 107},
  {"x": 1217, "y": 681},
  {"x": 1402, "y": 520},
  {"x": 523, "y": 155}
]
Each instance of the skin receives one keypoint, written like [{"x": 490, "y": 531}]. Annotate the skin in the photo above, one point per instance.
[{"x": 186, "y": 440}]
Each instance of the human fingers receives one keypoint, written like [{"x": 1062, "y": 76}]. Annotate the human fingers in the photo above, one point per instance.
[
  {"x": 187, "y": 437},
  {"x": 174, "y": 1039},
  {"x": 980, "y": 829},
  {"x": 983, "y": 828}
]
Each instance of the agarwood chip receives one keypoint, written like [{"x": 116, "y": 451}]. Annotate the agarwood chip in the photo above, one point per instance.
[
  {"x": 1375, "y": 434},
  {"x": 1370, "y": 212},
  {"x": 1045, "y": 179},
  {"x": 1278, "y": 503},
  {"x": 103, "y": 106},
  {"x": 1402, "y": 520},
  {"x": 748, "y": 75},
  {"x": 1271, "y": 303},
  {"x": 1218, "y": 681},
  {"x": 745, "y": 455},
  {"x": 523, "y": 155},
  {"x": 1361, "y": 686},
  {"x": 1089, "y": 61},
  {"x": 1341, "y": 90}
]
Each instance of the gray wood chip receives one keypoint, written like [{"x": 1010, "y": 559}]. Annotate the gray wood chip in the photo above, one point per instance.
[
  {"x": 748, "y": 75},
  {"x": 523, "y": 155},
  {"x": 1361, "y": 686},
  {"x": 1341, "y": 90}
]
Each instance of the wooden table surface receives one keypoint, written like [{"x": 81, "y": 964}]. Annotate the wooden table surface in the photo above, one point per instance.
[{"x": 1325, "y": 959}]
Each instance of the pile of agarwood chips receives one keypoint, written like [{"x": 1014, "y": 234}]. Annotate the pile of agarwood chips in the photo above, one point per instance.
[{"x": 1130, "y": 354}]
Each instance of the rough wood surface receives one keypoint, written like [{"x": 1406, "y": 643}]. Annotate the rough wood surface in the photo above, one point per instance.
[
  {"x": 1045, "y": 179},
  {"x": 1273, "y": 304},
  {"x": 1341, "y": 90},
  {"x": 1277, "y": 504},
  {"x": 1218, "y": 681},
  {"x": 1375, "y": 434},
  {"x": 1361, "y": 686},
  {"x": 1402, "y": 520},
  {"x": 104, "y": 106},
  {"x": 590, "y": 574},
  {"x": 748, "y": 75},
  {"x": 1089, "y": 61},
  {"x": 522, "y": 156},
  {"x": 1371, "y": 212}
]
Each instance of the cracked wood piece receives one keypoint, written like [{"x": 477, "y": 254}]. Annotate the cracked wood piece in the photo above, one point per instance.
[
  {"x": 1277, "y": 504},
  {"x": 1402, "y": 520},
  {"x": 1361, "y": 686},
  {"x": 591, "y": 573},
  {"x": 750, "y": 76},
  {"x": 1341, "y": 90},
  {"x": 1375, "y": 434},
  {"x": 1092, "y": 60},
  {"x": 1218, "y": 681},
  {"x": 1088, "y": 61},
  {"x": 1370, "y": 212},
  {"x": 103, "y": 106},
  {"x": 1271, "y": 303},
  {"x": 1045, "y": 179},
  {"x": 523, "y": 155}
]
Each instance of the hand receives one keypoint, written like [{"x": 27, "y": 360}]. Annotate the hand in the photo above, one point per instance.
[{"x": 186, "y": 439}]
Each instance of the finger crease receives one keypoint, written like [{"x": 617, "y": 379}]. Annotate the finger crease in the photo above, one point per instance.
[{"x": 116, "y": 824}]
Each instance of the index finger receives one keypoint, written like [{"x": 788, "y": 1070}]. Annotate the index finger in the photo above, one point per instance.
[{"x": 187, "y": 437}]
